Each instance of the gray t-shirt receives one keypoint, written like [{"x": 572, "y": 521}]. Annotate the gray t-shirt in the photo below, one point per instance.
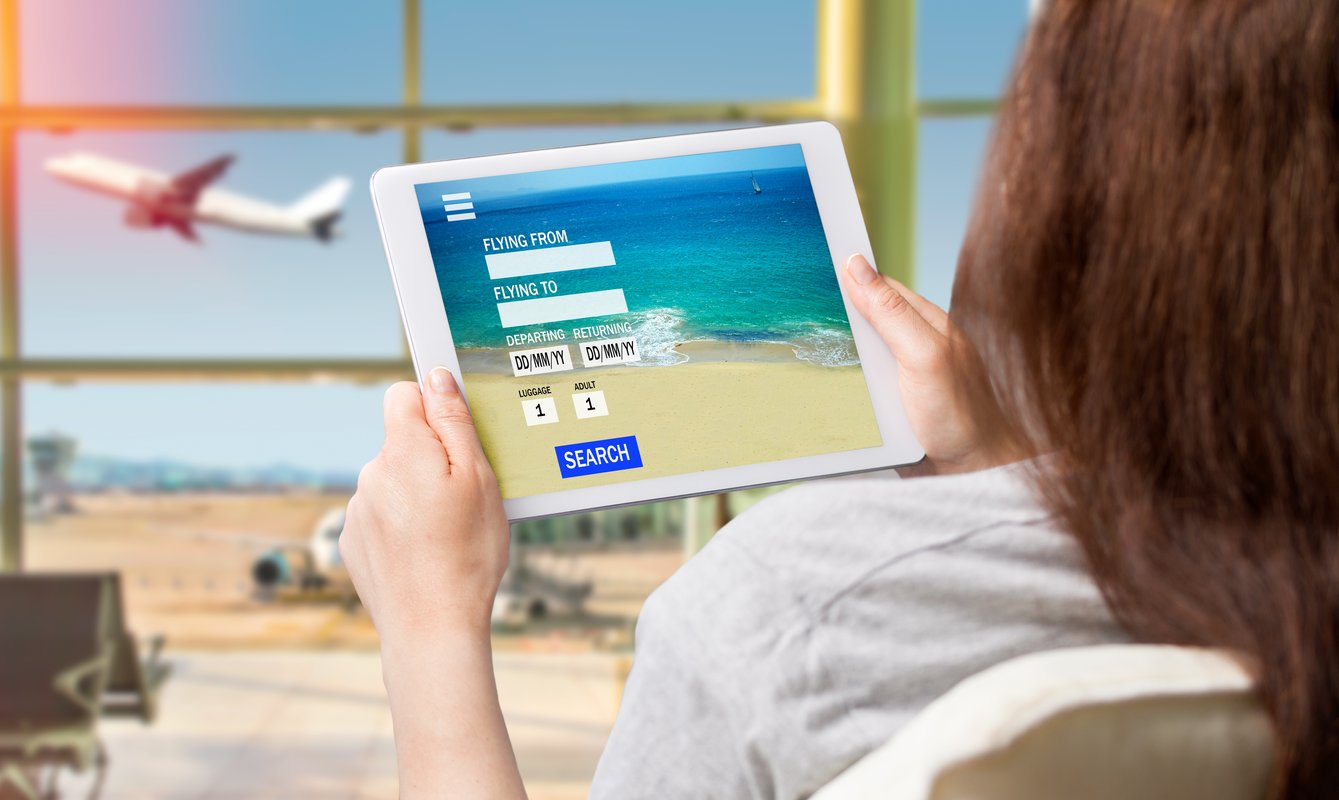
[{"x": 819, "y": 622}]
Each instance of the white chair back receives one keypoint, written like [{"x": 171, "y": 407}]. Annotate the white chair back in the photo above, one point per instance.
[{"x": 1121, "y": 722}]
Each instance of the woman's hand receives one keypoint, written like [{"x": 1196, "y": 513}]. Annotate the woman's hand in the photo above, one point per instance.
[
  {"x": 425, "y": 539},
  {"x": 957, "y": 433}
]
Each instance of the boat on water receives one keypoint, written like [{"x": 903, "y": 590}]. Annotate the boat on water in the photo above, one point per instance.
[{"x": 756, "y": 188}]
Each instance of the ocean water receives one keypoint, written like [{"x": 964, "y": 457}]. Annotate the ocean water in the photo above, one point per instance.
[{"x": 699, "y": 257}]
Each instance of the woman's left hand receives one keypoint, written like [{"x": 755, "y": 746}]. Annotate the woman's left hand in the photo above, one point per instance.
[{"x": 426, "y": 539}]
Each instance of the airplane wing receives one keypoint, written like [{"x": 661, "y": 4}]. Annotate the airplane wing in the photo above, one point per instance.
[{"x": 189, "y": 184}]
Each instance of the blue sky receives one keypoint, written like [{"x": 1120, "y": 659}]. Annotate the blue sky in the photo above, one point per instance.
[{"x": 92, "y": 287}]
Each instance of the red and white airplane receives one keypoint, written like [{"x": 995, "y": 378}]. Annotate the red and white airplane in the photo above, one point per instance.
[{"x": 179, "y": 201}]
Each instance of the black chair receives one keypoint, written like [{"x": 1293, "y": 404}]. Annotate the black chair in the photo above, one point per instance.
[{"x": 65, "y": 659}]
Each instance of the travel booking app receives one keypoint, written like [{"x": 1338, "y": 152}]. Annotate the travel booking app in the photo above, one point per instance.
[{"x": 648, "y": 318}]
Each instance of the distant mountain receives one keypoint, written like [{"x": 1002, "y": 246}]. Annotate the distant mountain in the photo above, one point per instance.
[{"x": 99, "y": 472}]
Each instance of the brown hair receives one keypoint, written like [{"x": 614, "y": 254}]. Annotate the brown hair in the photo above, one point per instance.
[{"x": 1152, "y": 281}]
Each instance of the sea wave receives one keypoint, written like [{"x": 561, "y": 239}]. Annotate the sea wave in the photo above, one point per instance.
[
  {"x": 658, "y": 331},
  {"x": 827, "y": 347}
]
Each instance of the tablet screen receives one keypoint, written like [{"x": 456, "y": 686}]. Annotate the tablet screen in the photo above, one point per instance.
[{"x": 647, "y": 318}]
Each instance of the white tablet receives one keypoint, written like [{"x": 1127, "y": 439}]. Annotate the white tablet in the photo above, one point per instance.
[{"x": 650, "y": 319}]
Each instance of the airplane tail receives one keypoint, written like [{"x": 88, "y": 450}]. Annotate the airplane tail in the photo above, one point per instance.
[{"x": 320, "y": 209}]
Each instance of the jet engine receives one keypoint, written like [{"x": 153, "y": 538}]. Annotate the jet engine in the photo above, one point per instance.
[{"x": 271, "y": 570}]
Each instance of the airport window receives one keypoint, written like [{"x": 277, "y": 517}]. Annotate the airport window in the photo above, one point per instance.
[
  {"x": 239, "y": 52},
  {"x": 489, "y": 53}
]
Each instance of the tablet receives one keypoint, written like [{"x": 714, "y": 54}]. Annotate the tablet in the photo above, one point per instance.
[{"x": 642, "y": 320}]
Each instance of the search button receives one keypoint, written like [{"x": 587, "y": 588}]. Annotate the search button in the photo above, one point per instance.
[{"x": 602, "y": 455}]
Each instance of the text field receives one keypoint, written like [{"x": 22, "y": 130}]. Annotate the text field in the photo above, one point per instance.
[
  {"x": 549, "y": 259},
  {"x": 543, "y": 310}
]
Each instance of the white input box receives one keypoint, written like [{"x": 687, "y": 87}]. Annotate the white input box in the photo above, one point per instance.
[
  {"x": 609, "y": 351},
  {"x": 540, "y": 360},
  {"x": 518, "y": 263},
  {"x": 590, "y": 404},
  {"x": 542, "y": 411},
  {"x": 543, "y": 310}
]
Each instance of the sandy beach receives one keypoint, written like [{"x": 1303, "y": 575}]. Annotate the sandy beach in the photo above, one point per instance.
[{"x": 730, "y": 404}]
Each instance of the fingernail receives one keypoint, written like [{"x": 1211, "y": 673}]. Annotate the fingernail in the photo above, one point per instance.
[
  {"x": 441, "y": 380},
  {"x": 860, "y": 270}
]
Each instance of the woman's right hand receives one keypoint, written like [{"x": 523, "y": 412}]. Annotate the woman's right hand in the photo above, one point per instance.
[{"x": 947, "y": 422}]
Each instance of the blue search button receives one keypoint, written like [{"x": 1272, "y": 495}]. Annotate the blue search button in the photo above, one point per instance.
[{"x": 603, "y": 455}]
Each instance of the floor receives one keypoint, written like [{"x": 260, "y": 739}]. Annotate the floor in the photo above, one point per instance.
[{"x": 316, "y": 725}]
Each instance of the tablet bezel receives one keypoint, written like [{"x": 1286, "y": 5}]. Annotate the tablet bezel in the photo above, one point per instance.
[{"x": 429, "y": 336}]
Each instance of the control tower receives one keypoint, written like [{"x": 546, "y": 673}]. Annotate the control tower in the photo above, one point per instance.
[{"x": 51, "y": 458}]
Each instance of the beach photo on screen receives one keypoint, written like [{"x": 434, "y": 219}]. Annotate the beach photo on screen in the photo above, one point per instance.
[{"x": 641, "y": 319}]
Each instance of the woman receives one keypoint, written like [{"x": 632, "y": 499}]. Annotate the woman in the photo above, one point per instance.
[{"x": 1146, "y": 320}]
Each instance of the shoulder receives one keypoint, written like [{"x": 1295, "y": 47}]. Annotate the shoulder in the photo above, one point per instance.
[
  {"x": 817, "y": 538},
  {"x": 883, "y": 503},
  {"x": 883, "y": 500}
]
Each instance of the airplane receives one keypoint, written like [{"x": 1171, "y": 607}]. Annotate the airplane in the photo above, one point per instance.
[
  {"x": 311, "y": 565},
  {"x": 180, "y": 201}
]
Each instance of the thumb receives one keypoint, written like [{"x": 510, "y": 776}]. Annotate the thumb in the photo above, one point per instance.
[
  {"x": 915, "y": 343},
  {"x": 449, "y": 417}
]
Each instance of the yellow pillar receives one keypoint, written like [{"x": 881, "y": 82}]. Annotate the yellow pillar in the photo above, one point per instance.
[{"x": 867, "y": 87}]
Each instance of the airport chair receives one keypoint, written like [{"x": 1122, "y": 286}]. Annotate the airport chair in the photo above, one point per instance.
[
  {"x": 57, "y": 646},
  {"x": 1126, "y": 722},
  {"x": 134, "y": 683},
  {"x": 67, "y": 659}
]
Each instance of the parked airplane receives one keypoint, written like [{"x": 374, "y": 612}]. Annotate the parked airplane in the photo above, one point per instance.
[
  {"x": 179, "y": 201},
  {"x": 310, "y": 565}
]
